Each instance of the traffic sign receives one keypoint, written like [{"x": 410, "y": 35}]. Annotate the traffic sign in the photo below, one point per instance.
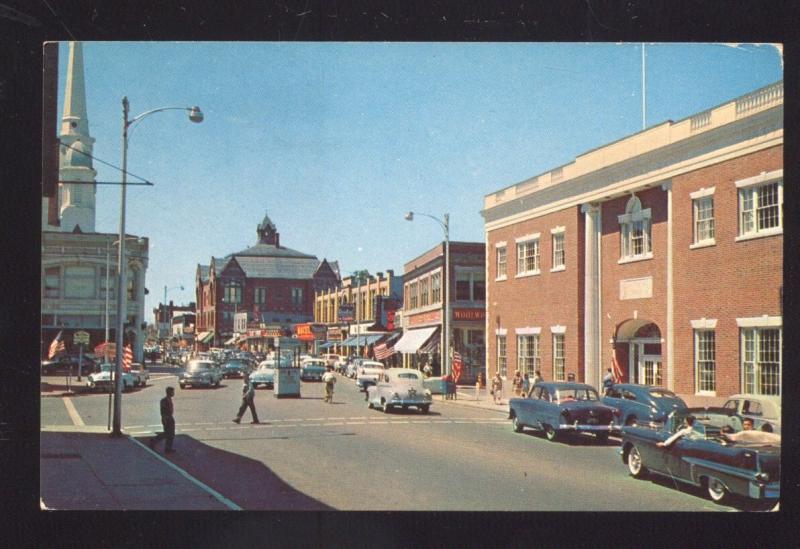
[{"x": 81, "y": 338}]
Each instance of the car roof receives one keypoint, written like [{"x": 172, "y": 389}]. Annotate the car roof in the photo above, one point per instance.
[
  {"x": 401, "y": 370},
  {"x": 558, "y": 385}
]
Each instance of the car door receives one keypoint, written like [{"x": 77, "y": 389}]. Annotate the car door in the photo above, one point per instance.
[
  {"x": 613, "y": 398},
  {"x": 526, "y": 406}
]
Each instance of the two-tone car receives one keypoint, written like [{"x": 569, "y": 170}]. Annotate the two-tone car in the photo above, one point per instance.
[
  {"x": 103, "y": 379},
  {"x": 235, "y": 368},
  {"x": 716, "y": 454},
  {"x": 264, "y": 375},
  {"x": 200, "y": 373},
  {"x": 312, "y": 369},
  {"x": 562, "y": 407},
  {"x": 368, "y": 373},
  {"x": 641, "y": 403},
  {"x": 140, "y": 374},
  {"x": 399, "y": 388},
  {"x": 764, "y": 410}
]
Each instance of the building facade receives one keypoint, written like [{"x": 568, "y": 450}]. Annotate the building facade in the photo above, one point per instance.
[
  {"x": 164, "y": 314},
  {"x": 660, "y": 252},
  {"x": 274, "y": 284},
  {"x": 424, "y": 291}
]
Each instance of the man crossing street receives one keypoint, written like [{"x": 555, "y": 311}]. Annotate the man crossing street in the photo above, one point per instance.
[{"x": 248, "y": 400}]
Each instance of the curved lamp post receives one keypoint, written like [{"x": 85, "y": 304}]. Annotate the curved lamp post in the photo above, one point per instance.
[
  {"x": 445, "y": 223},
  {"x": 195, "y": 115}
]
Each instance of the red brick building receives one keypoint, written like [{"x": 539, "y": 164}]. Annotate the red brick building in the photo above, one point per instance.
[
  {"x": 275, "y": 285},
  {"x": 662, "y": 251}
]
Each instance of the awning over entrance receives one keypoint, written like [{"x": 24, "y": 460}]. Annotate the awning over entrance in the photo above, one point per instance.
[
  {"x": 205, "y": 337},
  {"x": 361, "y": 341},
  {"x": 327, "y": 344},
  {"x": 412, "y": 340}
]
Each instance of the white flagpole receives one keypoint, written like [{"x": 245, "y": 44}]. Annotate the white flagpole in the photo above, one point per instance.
[{"x": 644, "y": 91}]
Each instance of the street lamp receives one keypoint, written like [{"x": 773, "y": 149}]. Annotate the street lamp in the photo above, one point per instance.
[
  {"x": 446, "y": 321},
  {"x": 195, "y": 115}
]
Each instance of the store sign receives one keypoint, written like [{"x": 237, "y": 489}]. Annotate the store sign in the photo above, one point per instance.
[
  {"x": 347, "y": 312},
  {"x": 309, "y": 332},
  {"x": 334, "y": 333},
  {"x": 469, "y": 314}
]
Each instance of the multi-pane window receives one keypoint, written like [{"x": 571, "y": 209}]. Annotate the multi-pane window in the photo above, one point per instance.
[
  {"x": 423, "y": 292},
  {"x": 705, "y": 360},
  {"x": 260, "y": 296},
  {"x": 436, "y": 287},
  {"x": 232, "y": 293},
  {"x": 558, "y": 357},
  {"x": 527, "y": 354},
  {"x": 413, "y": 297},
  {"x": 528, "y": 257},
  {"x": 761, "y": 361},
  {"x": 760, "y": 207},
  {"x": 470, "y": 286},
  {"x": 79, "y": 282},
  {"x": 52, "y": 282},
  {"x": 703, "y": 219},
  {"x": 502, "y": 361},
  {"x": 635, "y": 231},
  {"x": 559, "y": 257},
  {"x": 297, "y": 297},
  {"x": 501, "y": 261}
]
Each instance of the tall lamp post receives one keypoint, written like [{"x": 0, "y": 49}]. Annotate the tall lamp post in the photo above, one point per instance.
[
  {"x": 195, "y": 115},
  {"x": 445, "y": 223},
  {"x": 108, "y": 268}
]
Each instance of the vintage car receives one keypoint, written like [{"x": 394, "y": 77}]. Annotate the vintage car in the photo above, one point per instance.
[
  {"x": 103, "y": 379},
  {"x": 65, "y": 364},
  {"x": 560, "y": 407},
  {"x": 745, "y": 463},
  {"x": 140, "y": 374},
  {"x": 200, "y": 373},
  {"x": 641, "y": 403},
  {"x": 264, "y": 375},
  {"x": 399, "y": 388},
  {"x": 312, "y": 368},
  {"x": 368, "y": 373},
  {"x": 351, "y": 367},
  {"x": 764, "y": 410},
  {"x": 330, "y": 358},
  {"x": 235, "y": 368}
]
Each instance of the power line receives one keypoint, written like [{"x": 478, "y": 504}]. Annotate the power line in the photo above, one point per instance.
[{"x": 145, "y": 181}]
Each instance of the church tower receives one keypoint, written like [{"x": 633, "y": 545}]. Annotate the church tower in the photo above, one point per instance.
[
  {"x": 268, "y": 233},
  {"x": 75, "y": 161}
]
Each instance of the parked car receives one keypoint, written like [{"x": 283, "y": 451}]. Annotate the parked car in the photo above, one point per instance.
[
  {"x": 63, "y": 363},
  {"x": 330, "y": 358},
  {"x": 199, "y": 373},
  {"x": 560, "y": 407},
  {"x": 312, "y": 368},
  {"x": 749, "y": 466},
  {"x": 641, "y": 403},
  {"x": 399, "y": 388},
  {"x": 368, "y": 373},
  {"x": 264, "y": 375},
  {"x": 103, "y": 379},
  {"x": 351, "y": 369},
  {"x": 140, "y": 374},
  {"x": 235, "y": 368},
  {"x": 764, "y": 410}
]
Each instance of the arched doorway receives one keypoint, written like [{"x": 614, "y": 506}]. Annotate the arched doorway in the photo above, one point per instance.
[{"x": 637, "y": 345}]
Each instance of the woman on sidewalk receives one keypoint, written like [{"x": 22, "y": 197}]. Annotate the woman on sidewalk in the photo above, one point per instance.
[
  {"x": 497, "y": 388},
  {"x": 517, "y": 383}
]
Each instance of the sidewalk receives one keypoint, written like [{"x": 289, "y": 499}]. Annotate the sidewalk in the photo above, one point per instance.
[{"x": 84, "y": 468}]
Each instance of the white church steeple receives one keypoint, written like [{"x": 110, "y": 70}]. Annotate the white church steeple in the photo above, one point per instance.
[{"x": 78, "y": 200}]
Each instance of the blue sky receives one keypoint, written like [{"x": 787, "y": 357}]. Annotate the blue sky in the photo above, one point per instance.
[{"x": 336, "y": 141}]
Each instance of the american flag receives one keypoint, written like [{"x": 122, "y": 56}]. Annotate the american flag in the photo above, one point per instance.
[
  {"x": 127, "y": 358},
  {"x": 457, "y": 364},
  {"x": 383, "y": 351},
  {"x": 57, "y": 346},
  {"x": 616, "y": 368}
]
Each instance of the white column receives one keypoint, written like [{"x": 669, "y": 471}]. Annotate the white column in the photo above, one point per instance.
[
  {"x": 670, "y": 294},
  {"x": 591, "y": 330}
]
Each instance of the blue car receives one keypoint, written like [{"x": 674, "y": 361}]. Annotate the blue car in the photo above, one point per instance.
[
  {"x": 559, "y": 407},
  {"x": 641, "y": 403}
]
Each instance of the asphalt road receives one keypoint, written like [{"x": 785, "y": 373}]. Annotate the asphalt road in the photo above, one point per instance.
[{"x": 307, "y": 454}]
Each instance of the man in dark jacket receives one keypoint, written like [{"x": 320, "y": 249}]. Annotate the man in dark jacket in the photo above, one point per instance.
[
  {"x": 167, "y": 421},
  {"x": 248, "y": 401}
]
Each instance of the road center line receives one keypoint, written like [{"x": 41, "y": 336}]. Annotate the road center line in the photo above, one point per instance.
[{"x": 73, "y": 413}]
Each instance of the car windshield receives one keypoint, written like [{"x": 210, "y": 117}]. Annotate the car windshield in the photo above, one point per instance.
[
  {"x": 576, "y": 394},
  {"x": 196, "y": 365},
  {"x": 408, "y": 375},
  {"x": 662, "y": 393}
]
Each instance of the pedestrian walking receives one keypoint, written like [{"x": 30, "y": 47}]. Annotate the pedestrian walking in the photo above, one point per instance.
[
  {"x": 167, "y": 421},
  {"x": 526, "y": 384},
  {"x": 537, "y": 377},
  {"x": 248, "y": 400},
  {"x": 329, "y": 379},
  {"x": 608, "y": 380},
  {"x": 497, "y": 388},
  {"x": 427, "y": 370},
  {"x": 516, "y": 383}
]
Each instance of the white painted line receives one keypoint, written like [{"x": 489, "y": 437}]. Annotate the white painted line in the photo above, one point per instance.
[
  {"x": 356, "y": 423},
  {"x": 136, "y": 426},
  {"x": 338, "y": 423},
  {"x": 219, "y": 497},
  {"x": 215, "y": 429},
  {"x": 206, "y": 423},
  {"x": 73, "y": 413}
]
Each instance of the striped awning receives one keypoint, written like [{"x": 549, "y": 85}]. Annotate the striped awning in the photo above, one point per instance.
[
  {"x": 205, "y": 337},
  {"x": 412, "y": 340}
]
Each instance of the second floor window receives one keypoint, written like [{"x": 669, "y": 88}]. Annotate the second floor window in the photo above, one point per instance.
[
  {"x": 233, "y": 294},
  {"x": 52, "y": 282},
  {"x": 423, "y": 292},
  {"x": 79, "y": 282},
  {"x": 436, "y": 287},
  {"x": 760, "y": 208},
  {"x": 558, "y": 250},
  {"x": 501, "y": 261},
  {"x": 413, "y": 299},
  {"x": 703, "y": 212},
  {"x": 260, "y": 296},
  {"x": 297, "y": 297},
  {"x": 528, "y": 257},
  {"x": 470, "y": 286},
  {"x": 635, "y": 231}
]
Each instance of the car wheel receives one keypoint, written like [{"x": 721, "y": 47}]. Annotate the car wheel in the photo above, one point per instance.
[
  {"x": 602, "y": 438},
  {"x": 630, "y": 421},
  {"x": 370, "y": 405},
  {"x": 425, "y": 409},
  {"x": 550, "y": 433},
  {"x": 386, "y": 407},
  {"x": 635, "y": 465},
  {"x": 716, "y": 490},
  {"x": 518, "y": 427}
]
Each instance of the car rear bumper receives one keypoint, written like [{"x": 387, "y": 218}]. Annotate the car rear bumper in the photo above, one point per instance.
[
  {"x": 410, "y": 402},
  {"x": 584, "y": 427},
  {"x": 196, "y": 382}
]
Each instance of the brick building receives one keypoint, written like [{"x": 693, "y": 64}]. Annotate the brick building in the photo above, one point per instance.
[
  {"x": 275, "y": 285},
  {"x": 662, "y": 251}
]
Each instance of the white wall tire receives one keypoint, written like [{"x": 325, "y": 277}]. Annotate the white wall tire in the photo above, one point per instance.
[{"x": 635, "y": 465}]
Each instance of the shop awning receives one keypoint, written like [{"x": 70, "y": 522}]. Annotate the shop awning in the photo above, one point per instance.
[
  {"x": 205, "y": 337},
  {"x": 232, "y": 340},
  {"x": 326, "y": 345},
  {"x": 412, "y": 340},
  {"x": 362, "y": 340}
]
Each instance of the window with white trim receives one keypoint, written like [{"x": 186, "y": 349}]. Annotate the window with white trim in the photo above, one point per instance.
[
  {"x": 527, "y": 354},
  {"x": 502, "y": 361},
  {"x": 635, "y": 231},
  {"x": 528, "y": 257},
  {"x": 761, "y": 361},
  {"x": 260, "y": 296},
  {"x": 501, "y": 261},
  {"x": 414, "y": 298},
  {"x": 436, "y": 288},
  {"x": 79, "y": 282},
  {"x": 760, "y": 208},
  {"x": 705, "y": 362},
  {"x": 703, "y": 213},
  {"x": 559, "y": 372},
  {"x": 423, "y": 292},
  {"x": 232, "y": 293},
  {"x": 559, "y": 255}
]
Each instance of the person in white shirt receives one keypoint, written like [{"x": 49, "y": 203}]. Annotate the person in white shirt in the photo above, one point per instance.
[
  {"x": 329, "y": 379},
  {"x": 679, "y": 433}
]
